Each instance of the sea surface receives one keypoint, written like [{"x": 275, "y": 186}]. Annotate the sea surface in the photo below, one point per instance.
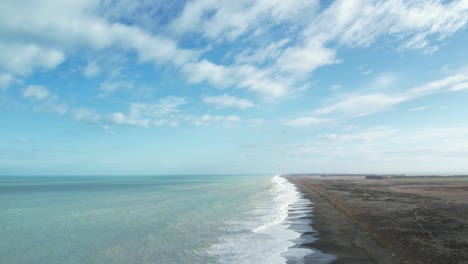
[{"x": 160, "y": 219}]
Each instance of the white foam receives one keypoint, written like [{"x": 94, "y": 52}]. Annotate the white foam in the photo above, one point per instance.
[
  {"x": 266, "y": 236},
  {"x": 284, "y": 195}
]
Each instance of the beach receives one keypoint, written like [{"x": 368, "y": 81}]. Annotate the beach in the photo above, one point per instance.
[{"x": 401, "y": 220}]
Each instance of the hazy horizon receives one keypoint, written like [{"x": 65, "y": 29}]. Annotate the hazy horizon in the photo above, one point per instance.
[{"x": 206, "y": 87}]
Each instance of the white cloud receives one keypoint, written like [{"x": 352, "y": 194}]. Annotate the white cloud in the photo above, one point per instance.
[
  {"x": 213, "y": 120},
  {"x": 459, "y": 86},
  {"x": 307, "y": 121},
  {"x": 370, "y": 135},
  {"x": 364, "y": 70},
  {"x": 52, "y": 105},
  {"x": 22, "y": 59},
  {"x": 243, "y": 76},
  {"x": 165, "y": 112},
  {"x": 352, "y": 23},
  {"x": 413, "y": 23},
  {"x": 209, "y": 17},
  {"x": 43, "y": 100},
  {"x": 386, "y": 150},
  {"x": 305, "y": 59},
  {"x": 167, "y": 105},
  {"x": 39, "y": 34},
  {"x": 92, "y": 69},
  {"x": 439, "y": 85},
  {"x": 217, "y": 75},
  {"x": 129, "y": 119},
  {"x": 260, "y": 81},
  {"x": 343, "y": 23},
  {"x": 335, "y": 87},
  {"x": 86, "y": 114},
  {"x": 355, "y": 105},
  {"x": 150, "y": 48},
  {"x": 6, "y": 80},
  {"x": 419, "y": 108},
  {"x": 203, "y": 120},
  {"x": 225, "y": 100},
  {"x": 35, "y": 92},
  {"x": 260, "y": 55},
  {"x": 137, "y": 118},
  {"x": 109, "y": 86},
  {"x": 383, "y": 81},
  {"x": 361, "y": 105},
  {"x": 145, "y": 115}
]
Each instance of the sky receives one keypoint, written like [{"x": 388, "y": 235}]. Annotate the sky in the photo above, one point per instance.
[{"x": 249, "y": 86}]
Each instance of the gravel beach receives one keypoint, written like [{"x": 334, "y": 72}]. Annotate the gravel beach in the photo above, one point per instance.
[{"x": 389, "y": 221}]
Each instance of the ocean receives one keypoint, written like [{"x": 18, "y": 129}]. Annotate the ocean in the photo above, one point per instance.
[{"x": 158, "y": 219}]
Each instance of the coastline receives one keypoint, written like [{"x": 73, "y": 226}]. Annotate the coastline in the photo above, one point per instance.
[
  {"x": 416, "y": 220},
  {"x": 337, "y": 233}
]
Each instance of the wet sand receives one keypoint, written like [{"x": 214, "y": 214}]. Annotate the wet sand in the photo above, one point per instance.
[{"x": 389, "y": 221}]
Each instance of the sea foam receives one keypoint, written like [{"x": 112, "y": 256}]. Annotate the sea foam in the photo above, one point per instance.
[{"x": 273, "y": 232}]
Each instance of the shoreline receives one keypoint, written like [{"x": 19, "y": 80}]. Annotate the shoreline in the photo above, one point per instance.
[
  {"x": 338, "y": 235},
  {"x": 407, "y": 220}
]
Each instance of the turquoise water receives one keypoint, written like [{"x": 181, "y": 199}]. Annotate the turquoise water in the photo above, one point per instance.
[{"x": 163, "y": 219}]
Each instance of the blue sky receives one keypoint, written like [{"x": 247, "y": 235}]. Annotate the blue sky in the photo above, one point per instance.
[{"x": 204, "y": 86}]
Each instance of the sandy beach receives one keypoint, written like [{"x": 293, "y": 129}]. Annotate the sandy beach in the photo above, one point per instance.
[{"x": 414, "y": 220}]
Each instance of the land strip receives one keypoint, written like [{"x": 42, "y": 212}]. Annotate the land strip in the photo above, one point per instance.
[{"x": 421, "y": 220}]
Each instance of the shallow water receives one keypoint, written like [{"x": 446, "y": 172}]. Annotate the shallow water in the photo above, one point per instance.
[{"x": 163, "y": 219}]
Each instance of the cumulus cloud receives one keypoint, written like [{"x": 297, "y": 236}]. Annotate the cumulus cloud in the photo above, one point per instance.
[
  {"x": 168, "y": 105},
  {"x": 52, "y": 105},
  {"x": 243, "y": 76},
  {"x": 271, "y": 47},
  {"x": 177, "y": 120},
  {"x": 86, "y": 114},
  {"x": 305, "y": 59},
  {"x": 43, "y": 100},
  {"x": 40, "y": 35},
  {"x": 35, "y": 92},
  {"x": 144, "y": 115},
  {"x": 129, "y": 119},
  {"x": 6, "y": 80},
  {"x": 164, "y": 112},
  {"x": 212, "y": 120},
  {"x": 411, "y": 24},
  {"x": 225, "y": 100},
  {"x": 22, "y": 59},
  {"x": 307, "y": 121},
  {"x": 384, "y": 81},
  {"x": 92, "y": 69},
  {"x": 204, "y": 70},
  {"x": 110, "y": 86}
]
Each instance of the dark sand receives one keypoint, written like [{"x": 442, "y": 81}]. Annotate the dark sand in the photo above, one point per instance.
[{"x": 389, "y": 221}]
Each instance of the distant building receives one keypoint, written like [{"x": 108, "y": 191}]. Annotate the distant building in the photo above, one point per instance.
[{"x": 375, "y": 177}]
